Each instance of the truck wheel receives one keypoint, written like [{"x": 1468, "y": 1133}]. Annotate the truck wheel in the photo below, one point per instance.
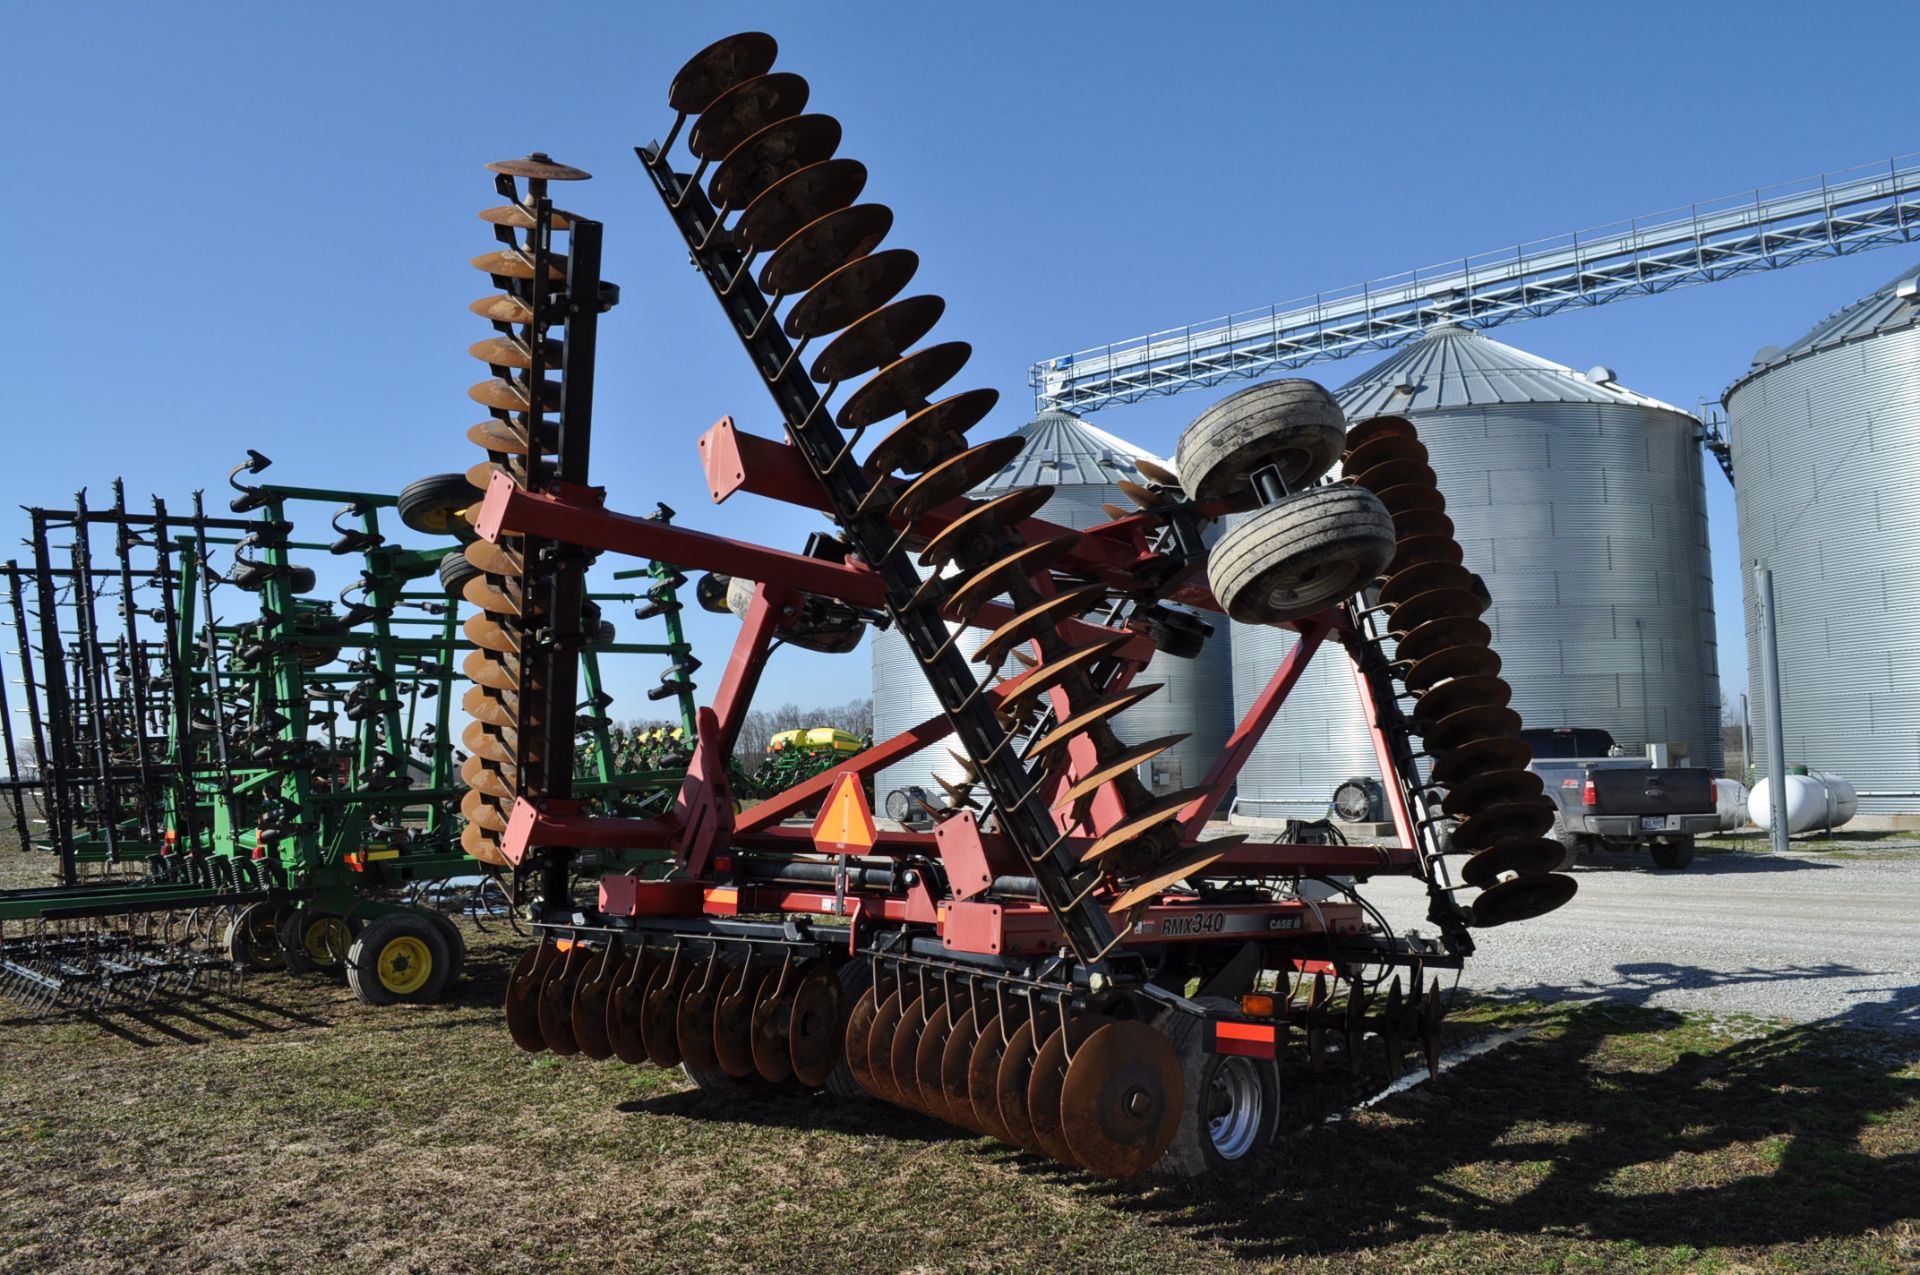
[
  {"x": 1571, "y": 843},
  {"x": 1232, "y": 1101},
  {"x": 1673, "y": 854}
]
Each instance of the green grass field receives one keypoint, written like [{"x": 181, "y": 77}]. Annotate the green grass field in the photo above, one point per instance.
[{"x": 294, "y": 1130}]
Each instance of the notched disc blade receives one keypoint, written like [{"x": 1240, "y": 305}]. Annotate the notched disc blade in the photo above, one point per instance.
[
  {"x": 718, "y": 67},
  {"x": 985, "y": 521},
  {"x": 1111, "y": 768},
  {"x": 1101, "y": 710},
  {"x": 1018, "y": 701},
  {"x": 770, "y": 154},
  {"x": 483, "y": 667},
  {"x": 1043, "y": 617},
  {"x": 1526, "y": 858},
  {"x": 803, "y": 195},
  {"x": 502, "y": 309},
  {"x": 1191, "y": 860},
  {"x": 878, "y": 339},
  {"x": 1140, "y": 822},
  {"x": 1522, "y": 899},
  {"x": 905, "y": 385},
  {"x": 994, "y": 578},
  {"x": 1121, "y": 1101},
  {"x": 744, "y": 110},
  {"x": 857, "y": 288},
  {"x": 823, "y": 245}
]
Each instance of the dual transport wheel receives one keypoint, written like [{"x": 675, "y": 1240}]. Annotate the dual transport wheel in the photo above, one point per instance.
[{"x": 1302, "y": 548}]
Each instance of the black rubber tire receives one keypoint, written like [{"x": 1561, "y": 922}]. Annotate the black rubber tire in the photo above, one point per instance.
[
  {"x": 253, "y": 939},
  {"x": 1193, "y": 1151},
  {"x": 456, "y": 947},
  {"x": 436, "y": 505},
  {"x": 1570, "y": 843},
  {"x": 363, "y": 958},
  {"x": 856, "y": 976},
  {"x": 293, "y": 929},
  {"x": 1673, "y": 854},
  {"x": 1301, "y": 555},
  {"x": 455, "y": 571},
  {"x": 1294, "y": 424}
]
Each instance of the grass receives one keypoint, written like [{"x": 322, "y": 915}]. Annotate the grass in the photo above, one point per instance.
[
  {"x": 296, "y": 1130},
  {"x": 1842, "y": 844}
]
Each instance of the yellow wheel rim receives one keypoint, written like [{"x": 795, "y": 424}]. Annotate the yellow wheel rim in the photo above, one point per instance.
[
  {"x": 326, "y": 940},
  {"x": 405, "y": 965}
]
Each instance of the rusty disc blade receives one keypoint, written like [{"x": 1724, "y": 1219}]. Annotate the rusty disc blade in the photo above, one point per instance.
[
  {"x": 859, "y": 1026},
  {"x": 927, "y": 1056},
  {"x": 905, "y": 385},
  {"x": 626, "y": 1005},
  {"x": 813, "y": 1027},
  {"x": 487, "y": 777},
  {"x": 498, "y": 436},
  {"x": 494, "y": 743},
  {"x": 1142, "y": 496},
  {"x": 487, "y": 598},
  {"x": 556, "y": 1002},
  {"x": 1417, "y": 551},
  {"x": 486, "y": 669},
  {"x": 1412, "y": 497},
  {"x": 770, "y": 154},
  {"x": 1436, "y": 604},
  {"x": 981, "y": 524},
  {"x": 886, "y": 1024},
  {"x": 857, "y": 288},
  {"x": 1450, "y": 662},
  {"x": 1111, "y": 768},
  {"x": 718, "y": 67},
  {"x": 693, "y": 1015},
  {"x": 733, "y": 1019},
  {"x": 931, "y": 434},
  {"x": 1190, "y": 860},
  {"x": 480, "y": 844},
  {"x": 502, "y": 309},
  {"x": 1483, "y": 691},
  {"x": 1049, "y": 1079},
  {"x": 1410, "y": 582},
  {"x": 983, "y": 1069},
  {"x": 953, "y": 478},
  {"x": 1010, "y": 1087},
  {"x": 954, "y": 1062},
  {"x": 480, "y": 474},
  {"x": 823, "y": 245},
  {"x": 659, "y": 1010},
  {"x": 996, "y": 577},
  {"x": 1467, "y": 799},
  {"x": 488, "y": 634},
  {"x": 878, "y": 339},
  {"x": 1469, "y": 724},
  {"x": 1525, "y": 858},
  {"x": 1414, "y": 523},
  {"x": 522, "y": 1002},
  {"x": 803, "y": 195},
  {"x": 509, "y": 351},
  {"x": 1380, "y": 450},
  {"x": 1121, "y": 1100},
  {"x": 1140, "y": 822},
  {"x": 1523, "y": 819},
  {"x": 495, "y": 708},
  {"x": 1021, "y": 698},
  {"x": 1155, "y": 472},
  {"x": 492, "y": 558},
  {"x": 1522, "y": 899},
  {"x": 1041, "y": 618},
  {"x": 477, "y": 807},
  {"x": 537, "y": 167},
  {"x": 1462, "y": 762},
  {"x": 1375, "y": 427},
  {"x": 1394, "y": 473},
  {"x": 772, "y": 1014},
  {"x": 516, "y": 263},
  {"x": 515, "y": 396},
  {"x": 590, "y": 1006},
  {"x": 518, "y": 218},
  {"x": 906, "y": 1045},
  {"x": 1432, "y": 637},
  {"x": 744, "y": 110},
  {"x": 1085, "y": 716}
]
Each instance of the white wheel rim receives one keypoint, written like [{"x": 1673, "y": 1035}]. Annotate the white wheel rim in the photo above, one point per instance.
[{"x": 1236, "y": 1106}]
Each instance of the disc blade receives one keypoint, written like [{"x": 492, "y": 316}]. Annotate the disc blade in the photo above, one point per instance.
[
  {"x": 660, "y": 1004},
  {"x": 814, "y": 1034},
  {"x": 983, "y": 1070},
  {"x": 803, "y": 195},
  {"x": 590, "y": 1005},
  {"x": 1124, "y": 762},
  {"x": 693, "y": 1014},
  {"x": 878, "y": 338},
  {"x": 1139, "y": 823},
  {"x": 1374, "y": 427},
  {"x": 857, "y": 288},
  {"x": 905, "y": 385},
  {"x": 824, "y": 245},
  {"x": 1522, "y": 899},
  {"x": 859, "y": 1025},
  {"x": 718, "y": 67},
  {"x": 626, "y": 1007},
  {"x": 1523, "y": 858},
  {"x": 1042, "y": 618},
  {"x": 931, "y": 434},
  {"x": 986, "y": 519},
  {"x": 769, "y": 154},
  {"x": 1121, "y": 1100},
  {"x": 744, "y": 110},
  {"x": 1044, "y": 1090}
]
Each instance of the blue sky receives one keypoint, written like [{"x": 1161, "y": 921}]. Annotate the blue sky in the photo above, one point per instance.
[{"x": 248, "y": 225}]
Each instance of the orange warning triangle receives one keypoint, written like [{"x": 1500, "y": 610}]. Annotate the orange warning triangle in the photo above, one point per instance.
[{"x": 845, "y": 824}]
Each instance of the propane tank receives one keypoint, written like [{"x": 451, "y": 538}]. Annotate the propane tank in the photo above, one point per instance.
[
  {"x": 1730, "y": 803},
  {"x": 1815, "y": 799}
]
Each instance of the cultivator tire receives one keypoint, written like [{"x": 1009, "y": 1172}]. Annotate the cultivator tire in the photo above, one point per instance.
[
  {"x": 316, "y": 942},
  {"x": 1301, "y": 555},
  {"x": 437, "y": 505},
  {"x": 253, "y": 939},
  {"x": 456, "y": 946},
  {"x": 400, "y": 956},
  {"x": 456, "y": 573},
  {"x": 1230, "y": 1106}
]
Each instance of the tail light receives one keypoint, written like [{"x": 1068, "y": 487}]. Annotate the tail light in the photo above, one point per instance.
[{"x": 1589, "y": 795}]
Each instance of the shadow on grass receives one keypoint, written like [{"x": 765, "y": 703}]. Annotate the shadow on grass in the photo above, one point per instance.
[
  {"x": 1613, "y": 1123},
  {"x": 754, "y": 1102}
]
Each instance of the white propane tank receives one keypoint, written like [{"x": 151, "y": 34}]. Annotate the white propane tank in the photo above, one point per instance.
[
  {"x": 1815, "y": 799},
  {"x": 1730, "y": 803}
]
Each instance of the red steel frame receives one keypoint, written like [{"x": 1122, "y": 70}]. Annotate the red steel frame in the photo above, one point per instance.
[{"x": 703, "y": 828}]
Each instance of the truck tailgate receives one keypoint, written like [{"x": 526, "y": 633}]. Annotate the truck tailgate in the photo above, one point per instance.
[{"x": 1653, "y": 791}]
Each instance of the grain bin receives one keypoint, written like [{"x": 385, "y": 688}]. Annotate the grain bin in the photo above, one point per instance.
[
  {"x": 1826, "y": 460},
  {"x": 1583, "y": 506},
  {"x": 1084, "y": 465}
]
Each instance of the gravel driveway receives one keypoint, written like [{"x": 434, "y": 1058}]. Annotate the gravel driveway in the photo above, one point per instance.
[{"x": 1802, "y": 937}]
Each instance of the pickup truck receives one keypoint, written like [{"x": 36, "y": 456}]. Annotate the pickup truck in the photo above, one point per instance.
[{"x": 1620, "y": 803}]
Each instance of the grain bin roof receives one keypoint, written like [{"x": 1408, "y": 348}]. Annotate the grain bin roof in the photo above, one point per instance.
[
  {"x": 1892, "y": 306},
  {"x": 1064, "y": 450},
  {"x": 1453, "y": 368}
]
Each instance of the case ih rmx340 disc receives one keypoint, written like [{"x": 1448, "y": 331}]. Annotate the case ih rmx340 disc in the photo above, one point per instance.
[{"x": 1063, "y": 961}]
